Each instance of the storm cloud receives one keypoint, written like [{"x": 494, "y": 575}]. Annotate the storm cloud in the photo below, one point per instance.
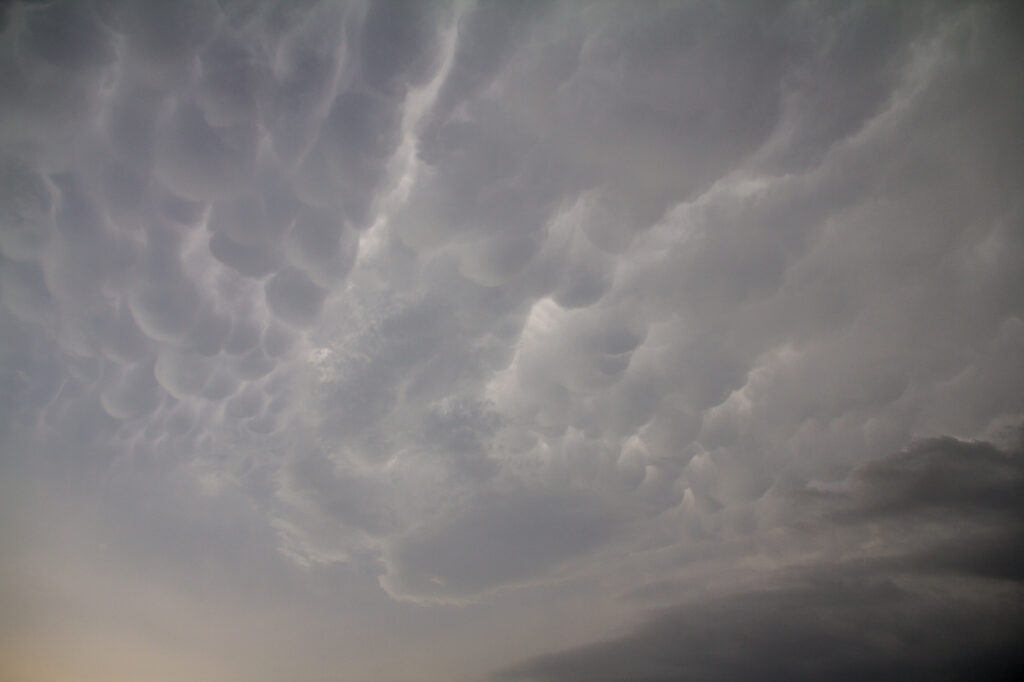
[
  {"x": 912, "y": 570},
  {"x": 532, "y": 340}
]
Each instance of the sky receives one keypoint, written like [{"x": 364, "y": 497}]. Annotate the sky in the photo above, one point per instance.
[{"x": 511, "y": 341}]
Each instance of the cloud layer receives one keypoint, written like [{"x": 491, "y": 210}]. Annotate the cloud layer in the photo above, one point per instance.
[
  {"x": 916, "y": 575},
  {"x": 507, "y": 321}
]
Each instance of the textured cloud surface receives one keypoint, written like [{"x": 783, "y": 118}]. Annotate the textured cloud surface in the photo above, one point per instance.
[{"x": 398, "y": 340}]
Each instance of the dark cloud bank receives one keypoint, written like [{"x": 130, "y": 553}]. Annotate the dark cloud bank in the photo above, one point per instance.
[
  {"x": 385, "y": 340},
  {"x": 936, "y": 595}
]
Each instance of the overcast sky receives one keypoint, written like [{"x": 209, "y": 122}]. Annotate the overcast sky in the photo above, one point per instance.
[{"x": 509, "y": 341}]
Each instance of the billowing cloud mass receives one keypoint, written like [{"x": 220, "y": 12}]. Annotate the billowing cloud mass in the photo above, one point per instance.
[{"x": 549, "y": 341}]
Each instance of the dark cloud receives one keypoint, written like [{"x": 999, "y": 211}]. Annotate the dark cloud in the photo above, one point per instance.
[
  {"x": 941, "y": 475},
  {"x": 945, "y": 612},
  {"x": 832, "y": 628}
]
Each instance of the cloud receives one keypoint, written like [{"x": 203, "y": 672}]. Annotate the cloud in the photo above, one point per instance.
[
  {"x": 294, "y": 298},
  {"x": 941, "y": 475},
  {"x": 496, "y": 539},
  {"x": 476, "y": 326},
  {"x": 839, "y": 628},
  {"x": 885, "y": 608}
]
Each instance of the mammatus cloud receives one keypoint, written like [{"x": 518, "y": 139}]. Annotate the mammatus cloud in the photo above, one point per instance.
[{"x": 474, "y": 330}]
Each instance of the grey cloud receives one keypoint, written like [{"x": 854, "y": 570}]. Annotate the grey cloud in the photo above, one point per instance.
[
  {"x": 358, "y": 137},
  {"x": 114, "y": 235},
  {"x": 497, "y": 156},
  {"x": 244, "y": 335},
  {"x": 220, "y": 385},
  {"x": 259, "y": 216},
  {"x": 838, "y": 628},
  {"x": 399, "y": 43},
  {"x": 512, "y": 308},
  {"x": 68, "y": 35},
  {"x": 29, "y": 203},
  {"x": 251, "y": 365},
  {"x": 722, "y": 125},
  {"x": 909, "y": 605},
  {"x": 870, "y": 43},
  {"x": 29, "y": 380},
  {"x": 164, "y": 310},
  {"x": 132, "y": 392},
  {"x": 495, "y": 539},
  {"x": 86, "y": 252},
  {"x": 209, "y": 331},
  {"x": 277, "y": 340},
  {"x": 24, "y": 290},
  {"x": 294, "y": 298},
  {"x": 462, "y": 431},
  {"x": 121, "y": 339},
  {"x": 345, "y": 497},
  {"x": 203, "y": 162},
  {"x": 233, "y": 82},
  {"x": 487, "y": 36},
  {"x": 395, "y": 348},
  {"x": 133, "y": 113},
  {"x": 182, "y": 374},
  {"x": 246, "y": 403},
  {"x": 943, "y": 474},
  {"x": 307, "y": 61},
  {"x": 323, "y": 246},
  {"x": 165, "y": 37},
  {"x": 56, "y": 59},
  {"x": 249, "y": 260}
]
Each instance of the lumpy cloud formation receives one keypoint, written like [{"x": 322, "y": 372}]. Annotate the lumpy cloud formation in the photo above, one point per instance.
[{"x": 486, "y": 295}]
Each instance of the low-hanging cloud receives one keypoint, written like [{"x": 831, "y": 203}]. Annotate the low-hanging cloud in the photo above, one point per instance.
[
  {"x": 477, "y": 327},
  {"x": 927, "y": 586}
]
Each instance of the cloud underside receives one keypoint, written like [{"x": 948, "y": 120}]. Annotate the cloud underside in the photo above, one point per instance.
[
  {"x": 930, "y": 590},
  {"x": 523, "y": 311},
  {"x": 839, "y": 627}
]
